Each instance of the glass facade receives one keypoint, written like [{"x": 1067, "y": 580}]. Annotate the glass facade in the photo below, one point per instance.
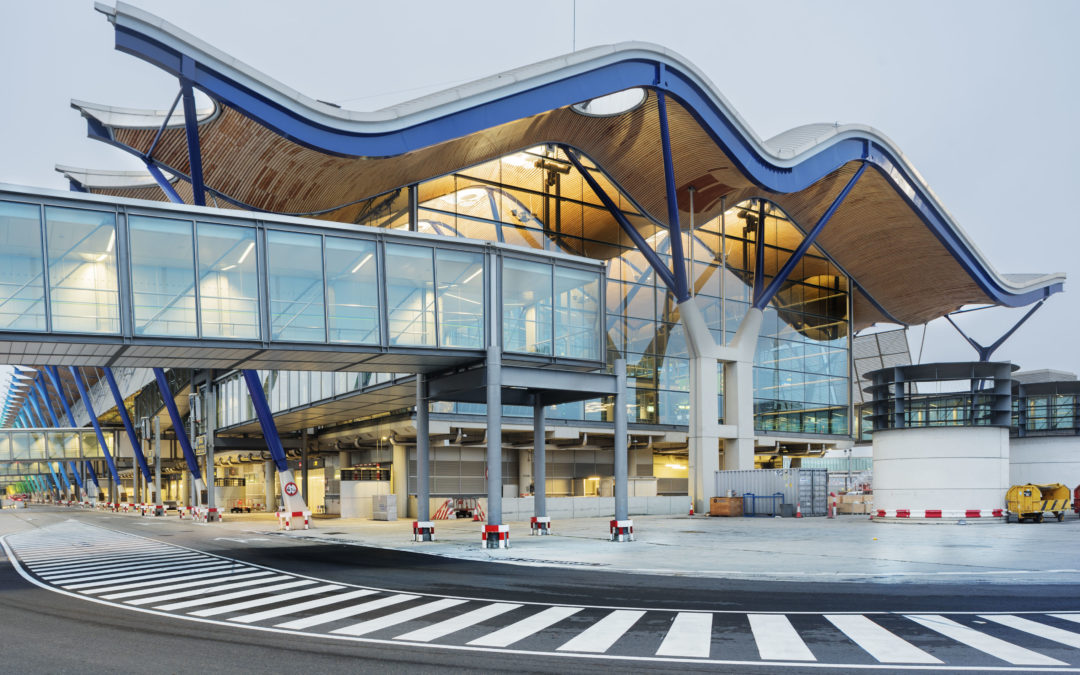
[
  {"x": 228, "y": 281},
  {"x": 352, "y": 296},
  {"x": 22, "y": 284},
  {"x": 295, "y": 279},
  {"x": 54, "y": 445},
  {"x": 537, "y": 199},
  {"x": 83, "y": 290},
  {"x": 163, "y": 276}
]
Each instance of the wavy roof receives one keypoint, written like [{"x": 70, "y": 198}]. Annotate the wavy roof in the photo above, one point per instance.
[{"x": 268, "y": 147}]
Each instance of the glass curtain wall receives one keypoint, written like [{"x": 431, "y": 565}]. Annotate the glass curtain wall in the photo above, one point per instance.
[{"x": 536, "y": 199}]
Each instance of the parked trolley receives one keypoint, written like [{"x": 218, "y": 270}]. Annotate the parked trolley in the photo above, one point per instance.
[{"x": 1032, "y": 501}]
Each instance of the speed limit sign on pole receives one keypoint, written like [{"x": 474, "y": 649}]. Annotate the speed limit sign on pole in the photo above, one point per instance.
[{"x": 291, "y": 489}]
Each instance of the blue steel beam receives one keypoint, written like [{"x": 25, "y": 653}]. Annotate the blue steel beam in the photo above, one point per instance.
[
  {"x": 35, "y": 407},
  {"x": 266, "y": 419},
  {"x": 985, "y": 352},
  {"x": 648, "y": 71},
  {"x": 93, "y": 474},
  {"x": 178, "y": 424},
  {"x": 75, "y": 472},
  {"x": 650, "y": 255},
  {"x": 56, "y": 481},
  {"x": 759, "y": 250},
  {"x": 678, "y": 261},
  {"x": 54, "y": 376},
  {"x": 191, "y": 124},
  {"x": 163, "y": 183},
  {"x": 762, "y": 300},
  {"x": 97, "y": 425},
  {"x": 63, "y": 475},
  {"x": 132, "y": 438},
  {"x": 40, "y": 386}
]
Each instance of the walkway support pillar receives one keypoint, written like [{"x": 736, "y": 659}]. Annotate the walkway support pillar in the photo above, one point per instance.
[
  {"x": 295, "y": 508},
  {"x": 97, "y": 430},
  {"x": 541, "y": 523},
  {"x": 133, "y": 439},
  {"x": 181, "y": 433},
  {"x": 495, "y": 534},
  {"x": 210, "y": 416},
  {"x": 270, "y": 493},
  {"x": 159, "y": 502},
  {"x": 622, "y": 528},
  {"x": 423, "y": 528}
]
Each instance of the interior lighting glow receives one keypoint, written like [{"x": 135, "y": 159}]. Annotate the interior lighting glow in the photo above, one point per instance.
[
  {"x": 112, "y": 242},
  {"x": 246, "y": 253},
  {"x": 679, "y": 467},
  {"x": 360, "y": 264},
  {"x": 473, "y": 276},
  {"x": 227, "y": 268}
]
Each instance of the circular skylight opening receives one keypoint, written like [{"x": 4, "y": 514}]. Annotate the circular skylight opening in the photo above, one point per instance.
[{"x": 613, "y": 104}]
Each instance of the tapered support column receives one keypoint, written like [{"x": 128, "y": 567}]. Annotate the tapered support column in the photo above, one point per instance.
[
  {"x": 159, "y": 504},
  {"x": 622, "y": 528},
  {"x": 210, "y": 415},
  {"x": 270, "y": 495},
  {"x": 541, "y": 523},
  {"x": 495, "y": 534},
  {"x": 423, "y": 528}
]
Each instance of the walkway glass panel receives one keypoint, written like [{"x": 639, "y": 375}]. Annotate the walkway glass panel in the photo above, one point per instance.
[
  {"x": 351, "y": 280},
  {"x": 295, "y": 271},
  {"x": 163, "y": 276},
  {"x": 228, "y": 281},
  {"x": 83, "y": 289},
  {"x": 22, "y": 285}
]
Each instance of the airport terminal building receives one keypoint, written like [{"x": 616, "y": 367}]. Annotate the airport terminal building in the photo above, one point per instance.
[{"x": 597, "y": 245}]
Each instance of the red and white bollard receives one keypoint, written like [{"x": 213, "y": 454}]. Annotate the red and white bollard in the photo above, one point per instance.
[
  {"x": 622, "y": 530},
  {"x": 541, "y": 525},
  {"x": 495, "y": 536},
  {"x": 423, "y": 530},
  {"x": 832, "y": 505}
]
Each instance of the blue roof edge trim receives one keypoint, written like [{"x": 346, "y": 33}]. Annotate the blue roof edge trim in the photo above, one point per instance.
[{"x": 531, "y": 91}]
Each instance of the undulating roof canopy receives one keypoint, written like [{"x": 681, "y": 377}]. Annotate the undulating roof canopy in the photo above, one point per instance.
[{"x": 266, "y": 147}]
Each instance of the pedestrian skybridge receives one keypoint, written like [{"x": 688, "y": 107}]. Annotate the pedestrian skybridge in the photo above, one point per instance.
[{"x": 93, "y": 280}]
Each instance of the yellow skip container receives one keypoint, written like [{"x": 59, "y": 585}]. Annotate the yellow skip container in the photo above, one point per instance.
[{"x": 1032, "y": 501}]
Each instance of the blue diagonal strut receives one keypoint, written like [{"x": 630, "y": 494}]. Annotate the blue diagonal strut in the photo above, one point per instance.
[
  {"x": 191, "y": 124},
  {"x": 40, "y": 386},
  {"x": 97, "y": 425},
  {"x": 266, "y": 419},
  {"x": 178, "y": 424},
  {"x": 766, "y": 296},
  {"x": 54, "y": 376},
  {"x": 132, "y": 438},
  {"x": 678, "y": 261}
]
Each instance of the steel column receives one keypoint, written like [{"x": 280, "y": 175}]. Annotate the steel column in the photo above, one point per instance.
[
  {"x": 266, "y": 419},
  {"x": 423, "y": 452},
  {"x": 178, "y": 425},
  {"x": 97, "y": 426},
  {"x": 494, "y": 435},
  {"x": 164, "y": 183},
  {"x": 136, "y": 447},
  {"x": 761, "y": 301},
  {"x": 622, "y": 507},
  {"x": 539, "y": 459},
  {"x": 63, "y": 475},
  {"x": 210, "y": 417},
  {"x": 35, "y": 409},
  {"x": 78, "y": 479},
  {"x": 157, "y": 462}
]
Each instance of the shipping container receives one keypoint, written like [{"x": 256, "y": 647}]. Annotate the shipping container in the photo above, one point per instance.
[{"x": 806, "y": 487}]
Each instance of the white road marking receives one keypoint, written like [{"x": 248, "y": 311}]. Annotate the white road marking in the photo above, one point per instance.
[
  {"x": 372, "y": 625},
  {"x": 302, "y": 607},
  {"x": 777, "y": 639},
  {"x": 246, "y": 593},
  {"x": 1006, "y": 651},
  {"x": 599, "y": 637},
  {"x": 878, "y": 642},
  {"x": 1075, "y": 618},
  {"x": 1054, "y": 633},
  {"x": 212, "y": 589},
  {"x": 504, "y": 637},
  {"x": 160, "y": 584},
  {"x": 118, "y": 571},
  {"x": 42, "y": 570},
  {"x": 466, "y": 620},
  {"x": 346, "y": 612},
  {"x": 197, "y": 567},
  {"x": 260, "y": 602},
  {"x": 170, "y": 586},
  {"x": 690, "y": 634}
]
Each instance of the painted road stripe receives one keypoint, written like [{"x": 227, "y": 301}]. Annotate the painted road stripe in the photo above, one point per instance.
[
  {"x": 504, "y": 637},
  {"x": 212, "y": 589},
  {"x": 1054, "y": 633},
  {"x": 777, "y": 639},
  {"x": 1075, "y": 618},
  {"x": 372, "y": 625},
  {"x": 466, "y": 620},
  {"x": 261, "y": 602},
  {"x": 75, "y": 551},
  {"x": 302, "y": 607},
  {"x": 155, "y": 585},
  {"x": 88, "y": 555},
  {"x": 1008, "y": 652},
  {"x": 877, "y": 641},
  {"x": 198, "y": 567},
  {"x": 246, "y": 593},
  {"x": 170, "y": 586},
  {"x": 70, "y": 567},
  {"x": 690, "y": 634},
  {"x": 346, "y": 612},
  {"x": 96, "y": 561},
  {"x": 598, "y": 638},
  {"x": 118, "y": 571}
]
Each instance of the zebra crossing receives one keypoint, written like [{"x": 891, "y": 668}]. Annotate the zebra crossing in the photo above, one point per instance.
[{"x": 145, "y": 575}]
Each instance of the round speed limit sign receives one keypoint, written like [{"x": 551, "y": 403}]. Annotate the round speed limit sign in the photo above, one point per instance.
[{"x": 291, "y": 489}]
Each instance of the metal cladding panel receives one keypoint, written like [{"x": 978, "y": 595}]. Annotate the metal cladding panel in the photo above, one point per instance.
[{"x": 791, "y": 483}]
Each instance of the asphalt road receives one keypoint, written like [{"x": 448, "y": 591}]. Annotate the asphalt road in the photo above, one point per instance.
[{"x": 62, "y": 629}]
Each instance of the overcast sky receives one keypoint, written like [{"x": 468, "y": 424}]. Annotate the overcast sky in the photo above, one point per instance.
[{"x": 982, "y": 97}]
